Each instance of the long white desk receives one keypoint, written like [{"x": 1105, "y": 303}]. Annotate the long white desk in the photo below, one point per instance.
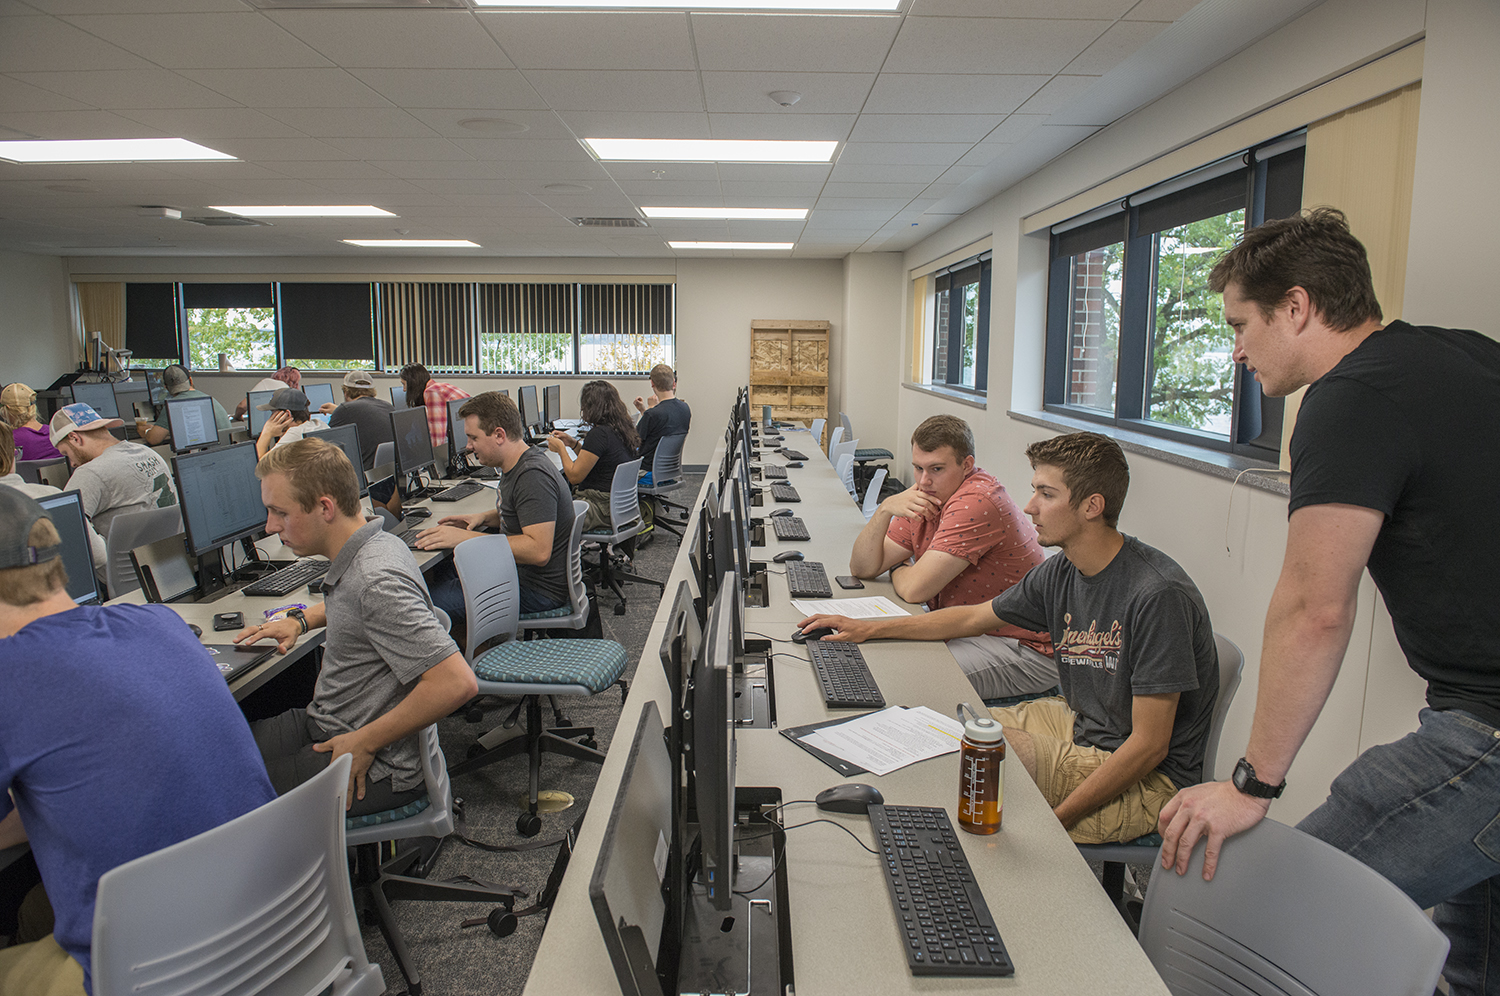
[{"x": 1062, "y": 933}]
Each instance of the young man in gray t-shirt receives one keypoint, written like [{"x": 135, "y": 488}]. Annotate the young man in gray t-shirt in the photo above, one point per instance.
[
  {"x": 110, "y": 475},
  {"x": 1134, "y": 648}
]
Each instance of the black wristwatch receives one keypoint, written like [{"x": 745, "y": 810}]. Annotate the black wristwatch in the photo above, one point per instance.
[
  {"x": 1245, "y": 780},
  {"x": 300, "y": 616}
]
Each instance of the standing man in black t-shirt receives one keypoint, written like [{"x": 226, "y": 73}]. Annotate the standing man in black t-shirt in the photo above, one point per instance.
[
  {"x": 1394, "y": 468},
  {"x": 662, "y": 414},
  {"x": 533, "y": 508}
]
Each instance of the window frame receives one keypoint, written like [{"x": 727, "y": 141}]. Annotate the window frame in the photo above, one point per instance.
[{"x": 976, "y": 270}]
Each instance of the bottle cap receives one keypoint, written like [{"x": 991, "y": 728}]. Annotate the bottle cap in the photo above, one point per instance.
[{"x": 983, "y": 729}]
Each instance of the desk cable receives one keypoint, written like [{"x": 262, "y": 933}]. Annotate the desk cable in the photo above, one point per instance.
[{"x": 784, "y": 828}]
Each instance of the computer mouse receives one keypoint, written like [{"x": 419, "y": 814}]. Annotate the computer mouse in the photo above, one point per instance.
[
  {"x": 786, "y": 555},
  {"x": 852, "y": 797},
  {"x": 781, "y": 512},
  {"x": 813, "y": 634},
  {"x": 795, "y": 463},
  {"x": 197, "y": 630}
]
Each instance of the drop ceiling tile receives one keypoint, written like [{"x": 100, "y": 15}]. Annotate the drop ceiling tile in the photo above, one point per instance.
[
  {"x": 337, "y": 169},
  {"x": 204, "y": 124},
  {"x": 579, "y": 171},
  {"x": 36, "y": 44},
  {"x": 510, "y": 150},
  {"x": 356, "y": 189},
  {"x": 445, "y": 121},
  {"x": 618, "y": 90},
  {"x": 1115, "y": 46},
  {"x": 878, "y": 173},
  {"x": 893, "y": 191},
  {"x": 675, "y": 189},
  {"x": 828, "y": 219},
  {"x": 128, "y": 89},
  {"x": 1068, "y": 9},
  {"x": 845, "y": 205},
  {"x": 895, "y": 153},
  {"x": 416, "y": 170},
  {"x": 798, "y": 193},
  {"x": 775, "y": 172},
  {"x": 637, "y": 124},
  {"x": 225, "y": 40},
  {"x": 476, "y": 88},
  {"x": 283, "y": 149},
  {"x": 1016, "y": 127},
  {"x": 790, "y": 127},
  {"x": 349, "y": 122},
  {"x": 985, "y": 153},
  {"x": 371, "y": 149},
  {"x": 288, "y": 87},
  {"x": 1058, "y": 93},
  {"x": 701, "y": 172},
  {"x": 989, "y": 45},
  {"x": 593, "y": 39},
  {"x": 395, "y": 39},
  {"x": 822, "y": 93},
  {"x": 792, "y": 43},
  {"x": 930, "y": 93},
  {"x": 1160, "y": 10},
  {"x": 75, "y": 124},
  {"x": 221, "y": 172},
  {"x": 924, "y": 127},
  {"x": 23, "y": 97}
]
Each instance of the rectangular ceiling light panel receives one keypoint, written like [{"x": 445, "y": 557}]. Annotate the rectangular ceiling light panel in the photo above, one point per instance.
[
  {"x": 859, "y": 6},
  {"x": 756, "y": 214},
  {"x": 109, "y": 150},
  {"x": 303, "y": 210},
  {"x": 732, "y": 245},
  {"x": 414, "y": 243},
  {"x": 709, "y": 150}
]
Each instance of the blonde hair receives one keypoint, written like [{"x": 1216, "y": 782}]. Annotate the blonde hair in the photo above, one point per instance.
[
  {"x": 314, "y": 469},
  {"x": 19, "y": 415},
  {"x": 23, "y": 586},
  {"x": 7, "y": 449}
]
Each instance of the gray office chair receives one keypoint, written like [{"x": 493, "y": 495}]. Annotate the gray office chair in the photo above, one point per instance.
[
  {"x": 817, "y": 431},
  {"x": 385, "y": 463},
  {"x": 35, "y": 471},
  {"x": 1287, "y": 913},
  {"x": 129, "y": 530},
  {"x": 844, "y": 468},
  {"x": 864, "y": 456},
  {"x": 1141, "y": 850},
  {"x": 872, "y": 494},
  {"x": 666, "y": 477},
  {"x": 427, "y": 822},
  {"x": 260, "y": 904},
  {"x": 526, "y": 668},
  {"x": 844, "y": 447},
  {"x": 625, "y": 522},
  {"x": 834, "y": 438},
  {"x": 574, "y": 615}
]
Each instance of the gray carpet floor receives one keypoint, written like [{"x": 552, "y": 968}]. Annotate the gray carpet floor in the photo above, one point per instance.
[{"x": 457, "y": 961}]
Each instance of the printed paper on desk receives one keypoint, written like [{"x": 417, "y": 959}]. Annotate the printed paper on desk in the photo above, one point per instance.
[
  {"x": 855, "y": 608},
  {"x": 888, "y": 740}
]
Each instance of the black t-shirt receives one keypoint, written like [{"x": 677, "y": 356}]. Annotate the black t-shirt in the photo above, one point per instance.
[
  {"x": 668, "y": 418},
  {"x": 605, "y": 443},
  {"x": 1403, "y": 425},
  {"x": 534, "y": 491},
  {"x": 372, "y": 417}
]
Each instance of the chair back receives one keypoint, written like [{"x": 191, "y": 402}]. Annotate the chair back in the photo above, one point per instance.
[
  {"x": 271, "y": 910},
  {"x": 847, "y": 446},
  {"x": 817, "y": 431},
  {"x": 434, "y": 821},
  {"x": 666, "y": 463},
  {"x": 32, "y": 471},
  {"x": 624, "y": 497},
  {"x": 844, "y": 467},
  {"x": 848, "y": 429},
  {"x": 129, "y": 530},
  {"x": 578, "y": 592},
  {"x": 833, "y": 440},
  {"x": 1231, "y": 667},
  {"x": 388, "y": 521},
  {"x": 872, "y": 499},
  {"x": 492, "y": 593},
  {"x": 384, "y": 464},
  {"x": 1279, "y": 917}
]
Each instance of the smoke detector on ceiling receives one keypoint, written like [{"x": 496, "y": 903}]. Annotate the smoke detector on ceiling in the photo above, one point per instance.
[{"x": 786, "y": 98}]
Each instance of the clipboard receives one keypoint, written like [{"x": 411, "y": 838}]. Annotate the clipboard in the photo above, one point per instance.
[{"x": 845, "y": 768}]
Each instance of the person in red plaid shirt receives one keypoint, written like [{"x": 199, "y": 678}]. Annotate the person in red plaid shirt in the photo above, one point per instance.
[{"x": 421, "y": 389}]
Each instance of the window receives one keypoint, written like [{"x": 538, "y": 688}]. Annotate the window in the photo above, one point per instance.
[
  {"x": 527, "y": 328},
  {"x": 624, "y": 328},
  {"x": 959, "y": 326},
  {"x": 152, "y": 326},
  {"x": 326, "y": 326},
  {"x": 1135, "y": 336},
  {"x": 236, "y": 320}
]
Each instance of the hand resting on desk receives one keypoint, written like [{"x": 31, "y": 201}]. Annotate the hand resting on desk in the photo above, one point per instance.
[
  {"x": 447, "y": 534},
  {"x": 284, "y": 631}
]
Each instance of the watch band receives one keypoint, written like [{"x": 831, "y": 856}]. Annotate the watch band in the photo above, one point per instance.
[
  {"x": 300, "y": 616},
  {"x": 1246, "y": 781}
]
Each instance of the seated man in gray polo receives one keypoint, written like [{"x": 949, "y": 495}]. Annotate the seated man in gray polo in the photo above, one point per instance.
[
  {"x": 389, "y": 668},
  {"x": 111, "y": 476}
]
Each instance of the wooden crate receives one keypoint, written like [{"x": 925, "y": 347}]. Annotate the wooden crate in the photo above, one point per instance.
[{"x": 789, "y": 369}]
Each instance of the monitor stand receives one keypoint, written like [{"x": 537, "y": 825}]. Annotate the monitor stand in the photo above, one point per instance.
[{"x": 755, "y": 687}]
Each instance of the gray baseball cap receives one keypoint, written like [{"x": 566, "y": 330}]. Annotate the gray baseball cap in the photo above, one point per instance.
[
  {"x": 18, "y": 514},
  {"x": 360, "y": 379},
  {"x": 288, "y": 399}
]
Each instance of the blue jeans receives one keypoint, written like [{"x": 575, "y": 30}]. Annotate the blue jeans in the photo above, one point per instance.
[
  {"x": 1425, "y": 813},
  {"x": 448, "y": 594}
]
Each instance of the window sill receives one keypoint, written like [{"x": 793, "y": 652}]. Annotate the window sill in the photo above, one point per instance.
[
  {"x": 1259, "y": 474},
  {"x": 948, "y": 394}
]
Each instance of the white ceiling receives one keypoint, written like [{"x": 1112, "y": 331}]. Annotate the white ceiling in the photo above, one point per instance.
[{"x": 936, "y": 109}]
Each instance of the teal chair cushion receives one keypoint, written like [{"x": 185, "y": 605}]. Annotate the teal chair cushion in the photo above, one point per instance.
[
  {"x": 389, "y": 816},
  {"x": 557, "y": 613},
  {"x": 594, "y": 664},
  {"x": 872, "y": 453}
]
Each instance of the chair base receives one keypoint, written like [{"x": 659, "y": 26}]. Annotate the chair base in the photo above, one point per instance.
[{"x": 608, "y": 576}]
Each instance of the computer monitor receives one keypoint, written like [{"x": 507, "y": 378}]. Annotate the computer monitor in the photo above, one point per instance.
[
  {"x": 713, "y": 753},
  {"x": 413, "y": 441},
  {"x": 318, "y": 395},
  {"x": 257, "y": 417},
  {"x": 220, "y": 496},
  {"x": 192, "y": 423},
  {"x": 526, "y": 401},
  {"x": 129, "y": 394},
  {"x": 398, "y": 397},
  {"x": 99, "y": 397},
  {"x": 66, "y": 512},
  {"x": 154, "y": 383},
  {"x": 346, "y": 438},
  {"x": 458, "y": 440},
  {"x": 551, "y": 404}
]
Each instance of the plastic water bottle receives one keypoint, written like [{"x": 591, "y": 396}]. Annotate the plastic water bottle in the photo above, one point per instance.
[{"x": 981, "y": 775}]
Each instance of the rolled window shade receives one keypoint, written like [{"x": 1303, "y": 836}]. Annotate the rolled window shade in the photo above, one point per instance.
[
  {"x": 327, "y": 321},
  {"x": 1094, "y": 235},
  {"x": 151, "y": 328},
  {"x": 1212, "y": 197},
  {"x": 227, "y": 296}
]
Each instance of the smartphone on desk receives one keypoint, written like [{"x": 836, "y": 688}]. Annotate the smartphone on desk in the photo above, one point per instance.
[
  {"x": 228, "y": 620},
  {"x": 848, "y": 583}
]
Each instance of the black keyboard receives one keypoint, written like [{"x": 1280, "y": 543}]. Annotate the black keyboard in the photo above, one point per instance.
[
  {"x": 792, "y": 454},
  {"x": 458, "y": 491},
  {"x": 773, "y": 473},
  {"x": 844, "y": 675},
  {"x": 789, "y": 527},
  {"x": 784, "y": 492},
  {"x": 807, "y": 579},
  {"x": 946, "y": 927},
  {"x": 288, "y": 579},
  {"x": 406, "y": 531}
]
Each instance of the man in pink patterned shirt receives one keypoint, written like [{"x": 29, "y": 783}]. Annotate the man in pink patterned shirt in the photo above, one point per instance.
[
  {"x": 421, "y": 389},
  {"x": 956, "y": 538}
]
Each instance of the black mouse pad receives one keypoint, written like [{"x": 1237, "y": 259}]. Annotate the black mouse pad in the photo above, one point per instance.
[{"x": 796, "y": 733}]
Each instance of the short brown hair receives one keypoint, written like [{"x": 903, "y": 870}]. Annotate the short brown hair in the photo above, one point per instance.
[
  {"x": 23, "y": 586},
  {"x": 350, "y": 393},
  {"x": 663, "y": 377},
  {"x": 314, "y": 469},
  {"x": 494, "y": 411},
  {"x": 944, "y": 430},
  {"x": 1091, "y": 464},
  {"x": 1313, "y": 250}
]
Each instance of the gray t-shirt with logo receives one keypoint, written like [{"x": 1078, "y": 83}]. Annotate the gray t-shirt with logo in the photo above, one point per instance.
[
  {"x": 1138, "y": 627},
  {"x": 127, "y": 477},
  {"x": 381, "y": 637}
]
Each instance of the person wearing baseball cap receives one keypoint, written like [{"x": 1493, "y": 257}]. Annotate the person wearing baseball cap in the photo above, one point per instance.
[
  {"x": 285, "y": 377},
  {"x": 361, "y": 408},
  {"x": 179, "y": 384},
  {"x": 111, "y": 475},
  {"x": 289, "y": 422},
  {"x": 101, "y": 764},
  {"x": 18, "y": 407},
  {"x": 10, "y": 478}
]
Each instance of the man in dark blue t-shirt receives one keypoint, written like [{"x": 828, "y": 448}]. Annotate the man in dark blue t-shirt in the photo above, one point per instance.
[
  {"x": 663, "y": 414},
  {"x": 118, "y": 737},
  {"x": 1393, "y": 467}
]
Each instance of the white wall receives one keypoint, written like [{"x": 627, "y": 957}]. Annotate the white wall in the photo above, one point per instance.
[
  {"x": 867, "y": 353},
  {"x": 36, "y": 337},
  {"x": 1231, "y": 540}
]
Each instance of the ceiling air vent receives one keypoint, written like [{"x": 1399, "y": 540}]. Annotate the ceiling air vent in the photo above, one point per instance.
[
  {"x": 226, "y": 222},
  {"x": 609, "y": 223}
]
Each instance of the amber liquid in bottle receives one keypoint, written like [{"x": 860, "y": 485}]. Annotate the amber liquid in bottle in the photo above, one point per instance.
[{"x": 981, "y": 782}]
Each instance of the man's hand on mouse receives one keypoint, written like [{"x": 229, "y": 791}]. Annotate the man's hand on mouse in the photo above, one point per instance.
[{"x": 844, "y": 629}]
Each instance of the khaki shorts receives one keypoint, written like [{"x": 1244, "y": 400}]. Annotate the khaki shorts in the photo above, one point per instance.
[
  {"x": 39, "y": 969},
  {"x": 1062, "y": 765}
]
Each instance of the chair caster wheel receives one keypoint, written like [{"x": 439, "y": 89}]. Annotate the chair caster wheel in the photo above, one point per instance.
[
  {"x": 590, "y": 743},
  {"x": 562, "y": 723},
  {"x": 474, "y": 714},
  {"x": 528, "y": 824},
  {"x": 475, "y": 749},
  {"x": 458, "y": 808},
  {"x": 502, "y": 922},
  {"x": 620, "y": 609}
]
